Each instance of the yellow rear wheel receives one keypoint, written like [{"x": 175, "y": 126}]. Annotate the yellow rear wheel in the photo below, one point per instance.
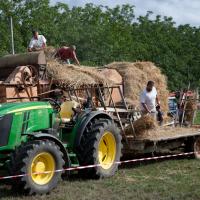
[
  {"x": 107, "y": 150},
  {"x": 42, "y": 168},
  {"x": 100, "y": 145}
]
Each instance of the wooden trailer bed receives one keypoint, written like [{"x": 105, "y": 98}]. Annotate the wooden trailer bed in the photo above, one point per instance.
[
  {"x": 167, "y": 133},
  {"x": 162, "y": 140}
]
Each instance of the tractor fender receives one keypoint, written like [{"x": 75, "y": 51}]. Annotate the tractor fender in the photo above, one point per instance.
[
  {"x": 45, "y": 136},
  {"x": 85, "y": 119}
]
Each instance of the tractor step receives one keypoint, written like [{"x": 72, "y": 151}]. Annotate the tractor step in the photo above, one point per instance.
[
  {"x": 75, "y": 165},
  {"x": 74, "y": 160},
  {"x": 72, "y": 155}
]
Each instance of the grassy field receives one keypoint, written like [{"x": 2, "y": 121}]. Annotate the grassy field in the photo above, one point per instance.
[
  {"x": 167, "y": 180},
  {"x": 197, "y": 118}
]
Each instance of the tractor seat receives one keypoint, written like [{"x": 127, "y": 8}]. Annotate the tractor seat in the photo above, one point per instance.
[{"x": 66, "y": 112}]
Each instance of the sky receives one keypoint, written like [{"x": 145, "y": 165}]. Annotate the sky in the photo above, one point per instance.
[{"x": 182, "y": 11}]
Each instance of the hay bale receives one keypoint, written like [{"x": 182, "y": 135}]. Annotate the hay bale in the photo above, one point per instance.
[
  {"x": 71, "y": 75},
  {"x": 116, "y": 78},
  {"x": 135, "y": 77},
  {"x": 191, "y": 107},
  {"x": 50, "y": 52},
  {"x": 142, "y": 125},
  {"x": 112, "y": 75}
]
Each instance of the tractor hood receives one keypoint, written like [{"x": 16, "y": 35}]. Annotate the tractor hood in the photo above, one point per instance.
[{"x": 8, "y": 108}]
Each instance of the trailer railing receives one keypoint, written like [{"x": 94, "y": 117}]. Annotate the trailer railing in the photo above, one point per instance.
[{"x": 109, "y": 99}]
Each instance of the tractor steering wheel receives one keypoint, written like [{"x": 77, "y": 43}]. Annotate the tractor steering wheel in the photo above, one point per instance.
[{"x": 54, "y": 103}]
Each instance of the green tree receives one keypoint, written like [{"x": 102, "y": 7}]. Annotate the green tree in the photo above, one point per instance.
[{"x": 104, "y": 35}]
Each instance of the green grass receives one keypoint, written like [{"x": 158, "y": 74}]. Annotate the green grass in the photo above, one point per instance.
[
  {"x": 167, "y": 180},
  {"x": 197, "y": 118}
]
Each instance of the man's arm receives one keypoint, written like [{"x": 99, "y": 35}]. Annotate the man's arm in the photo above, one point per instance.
[
  {"x": 76, "y": 59},
  {"x": 40, "y": 48},
  {"x": 44, "y": 44},
  {"x": 146, "y": 108},
  {"x": 157, "y": 101},
  {"x": 30, "y": 46}
]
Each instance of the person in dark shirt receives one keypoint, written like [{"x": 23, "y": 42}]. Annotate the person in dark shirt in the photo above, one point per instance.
[{"x": 67, "y": 53}]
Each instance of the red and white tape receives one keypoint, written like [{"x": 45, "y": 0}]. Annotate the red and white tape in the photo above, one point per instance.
[{"x": 98, "y": 165}]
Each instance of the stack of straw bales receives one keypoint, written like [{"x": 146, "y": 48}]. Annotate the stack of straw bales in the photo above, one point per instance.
[
  {"x": 72, "y": 75},
  {"x": 135, "y": 77},
  {"x": 75, "y": 76}
]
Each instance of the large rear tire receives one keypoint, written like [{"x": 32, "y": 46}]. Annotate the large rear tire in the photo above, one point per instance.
[
  {"x": 196, "y": 148},
  {"x": 33, "y": 159},
  {"x": 193, "y": 146},
  {"x": 100, "y": 145}
]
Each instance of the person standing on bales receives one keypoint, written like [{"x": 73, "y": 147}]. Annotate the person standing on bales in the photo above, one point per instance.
[
  {"x": 149, "y": 100},
  {"x": 67, "y": 53},
  {"x": 37, "y": 43}
]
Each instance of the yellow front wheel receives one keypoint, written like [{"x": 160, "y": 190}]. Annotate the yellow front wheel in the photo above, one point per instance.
[
  {"x": 39, "y": 160},
  {"x": 42, "y": 168}
]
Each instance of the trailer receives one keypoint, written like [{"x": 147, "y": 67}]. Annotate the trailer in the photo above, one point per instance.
[
  {"x": 170, "y": 138},
  {"x": 182, "y": 140}
]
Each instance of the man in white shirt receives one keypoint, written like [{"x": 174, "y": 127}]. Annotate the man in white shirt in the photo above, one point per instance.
[
  {"x": 37, "y": 43},
  {"x": 149, "y": 100}
]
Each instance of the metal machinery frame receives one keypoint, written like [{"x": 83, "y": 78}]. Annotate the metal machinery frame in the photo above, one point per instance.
[{"x": 101, "y": 98}]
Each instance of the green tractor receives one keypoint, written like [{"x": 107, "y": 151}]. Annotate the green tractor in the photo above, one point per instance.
[{"x": 38, "y": 138}]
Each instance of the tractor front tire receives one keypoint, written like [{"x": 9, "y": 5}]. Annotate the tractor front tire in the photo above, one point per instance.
[
  {"x": 101, "y": 146},
  {"x": 38, "y": 162}
]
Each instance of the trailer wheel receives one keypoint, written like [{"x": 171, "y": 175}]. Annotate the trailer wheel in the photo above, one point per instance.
[
  {"x": 100, "y": 145},
  {"x": 197, "y": 148},
  {"x": 33, "y": 159}
]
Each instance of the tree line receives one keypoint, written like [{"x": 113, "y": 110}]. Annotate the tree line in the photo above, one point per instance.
[{"x": 103, "y": 35}]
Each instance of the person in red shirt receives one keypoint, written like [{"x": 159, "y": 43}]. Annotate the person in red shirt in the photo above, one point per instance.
[{"x": 67, "y": 53}]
